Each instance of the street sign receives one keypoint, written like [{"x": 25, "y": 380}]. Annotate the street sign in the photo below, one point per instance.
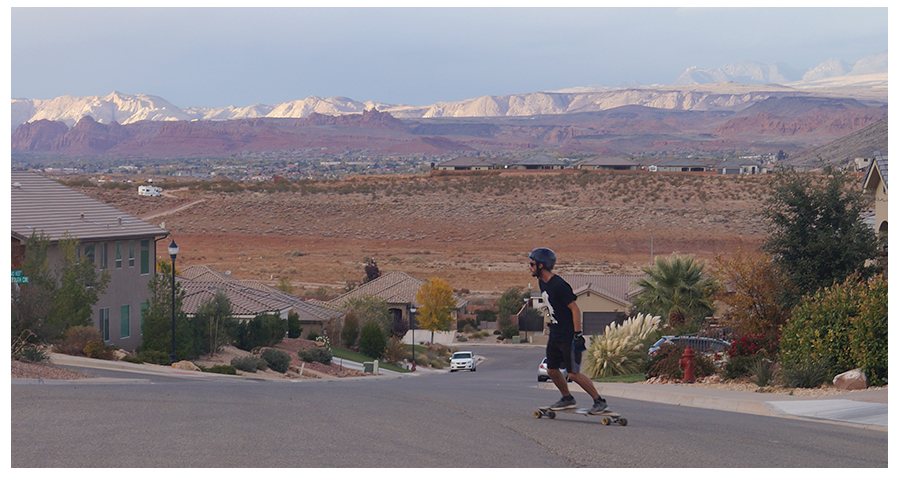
[
  {"x": 20, "y": 280},
  {"x": 16, "y": 273}
]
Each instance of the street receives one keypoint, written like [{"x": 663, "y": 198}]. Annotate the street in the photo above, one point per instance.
[{"x": 477, "y": 419}]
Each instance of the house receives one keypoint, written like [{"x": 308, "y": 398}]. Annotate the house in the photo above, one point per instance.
[
  {"x": 538, "y": 161},
  {"x": 602, "y": 299},
  {"x": 744, "y": 165},
  {"x": 399, "y": 290},
  {"x": 682, "y": 165},
  {"x": 609, "y": 163},
  {"x": 250, "y": 298},
  {"x": 465, "y": 163},
  {"x": 876, "y": 182},
  {"x": 119, "y": 243}
]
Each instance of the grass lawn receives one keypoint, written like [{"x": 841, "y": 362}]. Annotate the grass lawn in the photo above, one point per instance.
[{"x": 623, "y": 378}]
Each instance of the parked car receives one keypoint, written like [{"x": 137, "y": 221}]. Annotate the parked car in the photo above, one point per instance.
[
  {"x": 699, "y": 344},
  {"x": 463, "y": 360},
  {"x": 542, "y": 372}
]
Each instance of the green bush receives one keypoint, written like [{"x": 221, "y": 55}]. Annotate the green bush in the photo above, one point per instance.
[
  {"x": 316, "y": 354},
  {"x": 97, "y": 349},
  {"x": 262, "y": 331},
  {"x": 509, "y": 332},
  {"x": 221, "y": 369},
  {"x": 372, "y": 340},
  {"x": 246, "y": 363},
  {"x": 763, "y": 371},
  {"x": 278, "y": 360},
  {"x": 845, "y": 325},
  {"x": 154, "y": 357},
  {"x": 807, "y": 373},
  {"x": 31, "y": 353}
]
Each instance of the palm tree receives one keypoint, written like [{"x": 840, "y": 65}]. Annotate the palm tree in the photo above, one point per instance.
[{"x": 676, "y": 290}]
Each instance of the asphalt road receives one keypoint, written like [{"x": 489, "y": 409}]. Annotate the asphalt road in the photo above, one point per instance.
[{"x": 477, "y": 419}]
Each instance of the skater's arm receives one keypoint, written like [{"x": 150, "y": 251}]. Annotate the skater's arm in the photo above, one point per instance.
[{"x": 576, "y": 316}]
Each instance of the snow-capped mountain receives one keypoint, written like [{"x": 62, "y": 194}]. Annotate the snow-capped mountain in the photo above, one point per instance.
[{"x": 738, "y": 85}]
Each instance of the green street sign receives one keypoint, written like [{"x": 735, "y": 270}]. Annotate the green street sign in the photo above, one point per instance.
[
  {"x": 16, "y": 273},
  {"x": 20, "y": 279}
]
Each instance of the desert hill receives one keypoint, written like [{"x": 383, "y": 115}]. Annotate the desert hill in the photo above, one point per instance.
[{"x": 473, "y": 230}]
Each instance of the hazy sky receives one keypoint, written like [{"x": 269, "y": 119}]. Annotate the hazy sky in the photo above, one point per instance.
[{"x": 240, "y": 56}]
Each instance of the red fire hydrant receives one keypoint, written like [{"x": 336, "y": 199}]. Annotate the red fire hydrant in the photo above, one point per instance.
[{"x": 686, "y": 363}]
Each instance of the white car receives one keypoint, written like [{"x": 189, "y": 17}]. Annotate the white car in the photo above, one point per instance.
[
  {"x": 542, "y": 372},
  {"x": 463, "y": 360}
]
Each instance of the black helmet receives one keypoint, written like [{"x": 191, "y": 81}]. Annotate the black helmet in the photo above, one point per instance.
[{"x": 544, "y": 256}]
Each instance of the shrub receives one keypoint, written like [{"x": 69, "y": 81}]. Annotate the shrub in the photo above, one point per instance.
[
  {"x": 246, "y": 363},
  {"x": 316, "y": 354},
  {"x": 395, "y": 350},
  {"x": 76, "y": 338},
  {"x": 807, "y": 373},
  {"x": 278, "y": 360},
  {"x": 31, "y": 353},
  {"x": 350, "y": 332},
  {"x": 509, "y": 331},
  {"x": 622, "y": 349},
  {"x": 221, "y": 369},
  {"x": 261, "y": 364},
  {"x": 262, "y": 331},
  {"x": 372, "y": 340},
  {"x": 312, "y": 336},
  {"x": 97, "y": 349},
  {"x": 154, "y": 357},
  {"x": 763, "y": 371},
  {"x": 846, "y": 325}
]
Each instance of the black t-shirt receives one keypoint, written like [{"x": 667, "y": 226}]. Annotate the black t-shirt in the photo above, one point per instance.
[{"x": 558, "y": 294}]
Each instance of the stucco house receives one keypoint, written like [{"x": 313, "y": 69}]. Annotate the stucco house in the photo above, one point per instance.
[
  {"x": 399, "y": 290},
  {"x": 250, "y": 298},
  {"x": 538, "y": 161},
  {"x": 876, "y": 182},
  {"x": 602, "y": 299},
  {"x": 609, "y": 163},
  {"x": 119, "y": 243},
  {"x": 465, "y": 163}
]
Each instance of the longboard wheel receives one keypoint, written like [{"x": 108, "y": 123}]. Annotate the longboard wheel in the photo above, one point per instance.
[
  {"x": 605, "y": 421},
  {"x": 551, "y": 414},
  {"x": 538, "y": 414},
  {"x": 623, "y": 422}
]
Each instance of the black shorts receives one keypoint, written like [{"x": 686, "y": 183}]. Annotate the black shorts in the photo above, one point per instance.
[{"x": 563, "y": 355}]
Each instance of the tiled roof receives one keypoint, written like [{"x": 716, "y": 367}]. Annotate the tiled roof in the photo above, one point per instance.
[
  {"x": 466, "y": 161},
  {"x": 39, "y": 204},
  {"x": 248, "y": 298},
  {"x": 608, "y": 161},
  {"x": 393, "y": 287},
  {"x": 617, "y": 287},
  {"x": 879, "y": 165}
]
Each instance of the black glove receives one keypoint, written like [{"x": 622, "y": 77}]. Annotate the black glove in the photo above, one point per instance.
[{"x": 578, "y": 342}]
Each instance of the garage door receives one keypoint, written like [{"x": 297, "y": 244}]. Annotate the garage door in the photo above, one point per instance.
[{"x": 594, "y": 323}]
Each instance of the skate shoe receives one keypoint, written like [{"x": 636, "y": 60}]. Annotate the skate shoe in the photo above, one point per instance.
[
  {"x": 599, "y": 407},
  {"x": 564, "y": 403}
]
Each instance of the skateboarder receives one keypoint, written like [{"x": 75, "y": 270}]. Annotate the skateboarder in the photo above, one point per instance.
[{"x": 566, "y": 342}]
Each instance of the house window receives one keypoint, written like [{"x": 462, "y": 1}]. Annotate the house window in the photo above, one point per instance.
[
  {"x": 125, "y": 321},
  {"x": 104, "y": 323},
  {"x": 131, "y": 254},
  {"x": 118, "y": 254},
  {"x": 89, "y": 252},
  {"x": 102, "y": 262},
  {"x": 145, "y": 257}
]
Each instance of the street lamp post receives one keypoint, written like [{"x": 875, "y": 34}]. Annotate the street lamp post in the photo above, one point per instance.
[
  {"x": 173, "y": 252},
  {"x": 412, "y": 321}
]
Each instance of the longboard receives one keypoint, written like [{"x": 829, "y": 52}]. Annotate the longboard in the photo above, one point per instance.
[{"x": 609, "y": 417}]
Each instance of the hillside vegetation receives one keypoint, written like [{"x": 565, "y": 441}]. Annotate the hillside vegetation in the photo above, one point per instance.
[{"x": 472, "y": 229}]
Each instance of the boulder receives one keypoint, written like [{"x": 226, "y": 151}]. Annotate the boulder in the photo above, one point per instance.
[
  {"x": 186, "y": 366},
  {"x": 851, "y": 380}
]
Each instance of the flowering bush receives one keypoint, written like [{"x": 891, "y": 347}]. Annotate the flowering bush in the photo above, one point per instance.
[{"x": 752, "y": 344}]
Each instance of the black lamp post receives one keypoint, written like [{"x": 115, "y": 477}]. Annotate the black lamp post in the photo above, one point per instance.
[
  {"x": 173, "y": 252},
  {"x": 412, "y": 322}
]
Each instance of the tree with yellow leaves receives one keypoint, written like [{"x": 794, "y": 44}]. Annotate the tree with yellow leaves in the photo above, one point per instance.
[{"x": 435, "y": 299}]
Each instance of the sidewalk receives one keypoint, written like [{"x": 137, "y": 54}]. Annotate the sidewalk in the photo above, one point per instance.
[{"x": 865, "y": 408}]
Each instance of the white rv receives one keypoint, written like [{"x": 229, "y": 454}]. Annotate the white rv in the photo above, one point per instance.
[{"x": 149, "y": 191}]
